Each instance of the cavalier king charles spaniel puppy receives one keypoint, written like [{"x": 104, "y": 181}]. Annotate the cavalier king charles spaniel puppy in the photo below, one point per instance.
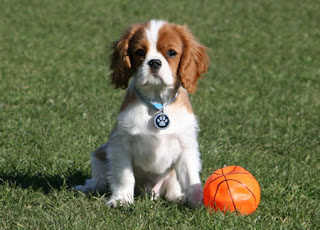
[{"x": 153, "y": 147}]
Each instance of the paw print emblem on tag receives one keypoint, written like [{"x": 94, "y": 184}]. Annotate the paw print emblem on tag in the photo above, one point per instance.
[{"x": 161, "y": 121}]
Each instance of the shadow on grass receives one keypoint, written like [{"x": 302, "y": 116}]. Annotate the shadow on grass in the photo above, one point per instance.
[{"x": 45, "y": 183}]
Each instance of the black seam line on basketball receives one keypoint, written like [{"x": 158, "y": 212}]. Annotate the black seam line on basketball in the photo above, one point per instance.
[
  {"x": 214, "y": 197},
  {"x": 243, "y": 173},
  {"x": 216, "y": 174},
  {"x": 215, "y": 179},
  {"x": 255, "y": 201},
  {"x": 237, "y": 173},
  {"x": 234, "y": 205},
  {"x": 231, "y": 171},
  {"x": 221, "y": 175}
]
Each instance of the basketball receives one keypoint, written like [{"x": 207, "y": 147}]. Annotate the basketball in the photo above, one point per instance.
[{"x": 232, "y": 189}]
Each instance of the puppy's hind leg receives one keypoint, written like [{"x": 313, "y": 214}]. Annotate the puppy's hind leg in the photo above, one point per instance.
[
  {"x": 99, "y": 168},
  {"x": 171, "y": 188}
]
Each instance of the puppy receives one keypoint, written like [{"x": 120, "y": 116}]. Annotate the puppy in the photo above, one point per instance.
[{"x": 153, "y": 146}]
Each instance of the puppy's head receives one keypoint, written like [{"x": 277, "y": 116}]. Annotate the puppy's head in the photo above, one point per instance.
[{"x": 158, "y": 54}]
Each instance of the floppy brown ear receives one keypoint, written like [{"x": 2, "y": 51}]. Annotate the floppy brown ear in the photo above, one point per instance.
[
  {"x": 120, "y": 62},
  {"x": 194, "y": 61}
]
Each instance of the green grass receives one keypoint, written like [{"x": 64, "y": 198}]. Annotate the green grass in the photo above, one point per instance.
[{"x": 258, "y": 107}]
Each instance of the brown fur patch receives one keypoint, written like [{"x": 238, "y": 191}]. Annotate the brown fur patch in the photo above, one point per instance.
[
  {"x": 183, "y": 101},
  {"x": 101, "y": 152},
  {"x": 169, "y": 41},
  {"x": 194, "y": 60},
  {"x": 122, "y": 61},
  {"x": 128, "y": 99}
]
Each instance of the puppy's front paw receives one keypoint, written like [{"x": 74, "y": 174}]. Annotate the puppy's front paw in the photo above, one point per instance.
[
  {"x": 122, "y": 200},
  {"x": 195, "y": 195},
  {"x": 89, "y": 186},
  {"x": 92, "y": 185}
]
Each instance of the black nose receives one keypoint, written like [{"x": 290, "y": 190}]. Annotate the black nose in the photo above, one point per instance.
[{"x": 155, "y": 64}]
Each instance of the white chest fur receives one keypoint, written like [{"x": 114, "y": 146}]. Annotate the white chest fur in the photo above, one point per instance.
[
  {"x": 154, "y": 154},
  {"x": 151, "y": 149}
]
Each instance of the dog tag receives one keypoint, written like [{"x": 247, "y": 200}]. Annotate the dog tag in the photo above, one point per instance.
[{"x": 161, "y": 121}]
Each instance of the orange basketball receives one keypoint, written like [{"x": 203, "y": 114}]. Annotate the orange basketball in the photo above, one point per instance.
[{"x": 232, "y": 188}]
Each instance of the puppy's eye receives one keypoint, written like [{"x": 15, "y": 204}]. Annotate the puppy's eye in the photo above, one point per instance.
[
  {"x": 140, "y": 52},
  {"x": 171, "y": 53}
]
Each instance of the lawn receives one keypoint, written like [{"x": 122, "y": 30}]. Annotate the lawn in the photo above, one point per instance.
[{"x": 258, "y": 107}]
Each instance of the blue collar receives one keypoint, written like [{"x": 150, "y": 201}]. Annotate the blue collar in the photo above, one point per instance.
[{"x": 156, "y": 105}]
